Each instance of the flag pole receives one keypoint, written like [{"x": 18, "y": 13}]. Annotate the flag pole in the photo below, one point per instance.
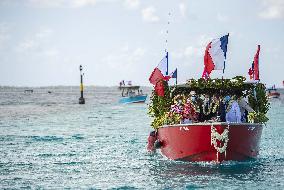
[
  {"x": 225, "y": 59},
  {"x": 176, "y": 80},
  {"x": 221, "y": 92},
  {"x": 167, "y": 72},
  {"x": 167, "y": 35}
]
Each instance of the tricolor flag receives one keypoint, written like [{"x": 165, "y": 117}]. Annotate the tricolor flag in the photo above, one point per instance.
[
  {"x": 171, "y": 75},
  {"x": 215, "y": 55},
  {"x": 163, "y": 65},
  {"x": 158, "y": 76},
  {"x": 174, "y": 74}
]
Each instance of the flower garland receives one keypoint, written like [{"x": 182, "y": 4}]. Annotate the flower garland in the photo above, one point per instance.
[
  {"x": 216, "y": 105},
  {"x": 189, "y": 111},
  {"x": 208, "y": 109},
  {"x": 212, "y": 108},
  {"x": 230, "y": 103},
  {"x": 224, "y": 137}
]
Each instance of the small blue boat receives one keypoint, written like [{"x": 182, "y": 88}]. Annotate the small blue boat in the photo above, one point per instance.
[{"x": 132, "y": 94}]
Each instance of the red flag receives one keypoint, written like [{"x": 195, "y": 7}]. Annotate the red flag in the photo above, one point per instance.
[
  {"x": 205, "y": 75},
  {"x": 156, "y": 75},
  {"x": 256, "y": 64},
  {"x": 250, "y": 72},
  {"x": 157, "y": 79},
  {"x": 208, "y": 63},
  {"x": 167, "y": 78},
  {"x": 159, "y": 88}
]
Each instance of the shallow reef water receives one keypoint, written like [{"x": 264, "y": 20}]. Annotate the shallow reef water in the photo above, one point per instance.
[{"x": 49, "y": 141}]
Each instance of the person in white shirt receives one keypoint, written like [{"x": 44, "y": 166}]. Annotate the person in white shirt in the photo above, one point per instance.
[
  {"x": 245, "y": 108},
  {"x": 234, "y": 113}
]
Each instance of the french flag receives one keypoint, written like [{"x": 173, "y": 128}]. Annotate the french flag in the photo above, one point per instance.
[
  {"x": 172, "y": 75},
  {"x": 158, "y": 76},
  {"x": 163, "y": 65},
  {"x": 215, "y": 55}
]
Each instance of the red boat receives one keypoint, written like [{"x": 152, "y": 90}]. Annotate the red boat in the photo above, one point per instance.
[
  {"x": 210, "y": 141},
  {"x": 272, "y": 92}
]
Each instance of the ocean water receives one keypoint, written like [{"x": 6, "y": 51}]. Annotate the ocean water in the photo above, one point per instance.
[{"x": 49, "y": 141}]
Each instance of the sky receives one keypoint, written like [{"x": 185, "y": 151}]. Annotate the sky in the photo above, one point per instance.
[{"x": 43, "y": 42}]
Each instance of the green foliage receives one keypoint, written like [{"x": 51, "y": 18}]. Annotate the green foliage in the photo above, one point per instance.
[
  {"x": 258, "y": 100},
  {"x": 255, "y": 117},
  {"x": 159, "y": 106},
  {"x": 223, "y": 87},
  {"x": 166, "y": 119}
]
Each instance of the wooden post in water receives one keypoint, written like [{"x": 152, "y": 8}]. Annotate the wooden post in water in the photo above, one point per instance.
[{"x": 81, "y": 99}]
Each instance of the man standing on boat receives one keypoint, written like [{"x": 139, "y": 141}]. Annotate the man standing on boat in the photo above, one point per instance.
[
  {"x": 233, "y": 112},
  {"x": 244, "y": 108}
]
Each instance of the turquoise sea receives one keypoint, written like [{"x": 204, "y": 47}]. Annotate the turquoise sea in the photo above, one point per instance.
[{"x": 49, "y": 141}]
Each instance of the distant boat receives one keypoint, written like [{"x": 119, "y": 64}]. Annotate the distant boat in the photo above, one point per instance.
[
  {"x": 272, "y": 92},
  {"x": 131, "y": 94},
  {"x": 29, "y": 91}
]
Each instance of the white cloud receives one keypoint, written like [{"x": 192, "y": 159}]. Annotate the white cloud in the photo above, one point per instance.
[
  {"x": 47, "y": 3},
  {"x": 27, "y": 45},
  {"x": 222, "y": 18},
  {"x": 82, "y": 3},
  {"x": 125, "y": 57},
  {"x": 38, "y": 44},
  {"x": 67, "y": 3},
  {"x": 132, "y": 4},
  {"x": 182, "y": 9},
  {"x": 44, "y": 33},
  {"x": 195, "y": 50},
  {"x": 4, "y": 34},
  {"x": 34, "y": 43},
  {"x": 273, "y": 9},
  {"x": 52, "y": 52},
  {"x": 148, "y": 14}
]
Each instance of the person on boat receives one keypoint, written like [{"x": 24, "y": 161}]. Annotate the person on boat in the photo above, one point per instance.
[
  {"x": 208, "y": 109},
  {"x": 222, "y": 108},
  {"x": 190, "y": 111},
  {"x": 233, "y": 111},
  {"x": 244, "y": 108},
  {"x": 215, "y": 108},
  {"x": 121, "y": 83},
  {"x": 131, "y": 93}
]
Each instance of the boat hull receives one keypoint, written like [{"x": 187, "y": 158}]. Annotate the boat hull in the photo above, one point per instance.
[
  {"x": 274, "y": 95},
  {"x": 133, "y": 99},
  {"x": 210, "y": 142}
]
